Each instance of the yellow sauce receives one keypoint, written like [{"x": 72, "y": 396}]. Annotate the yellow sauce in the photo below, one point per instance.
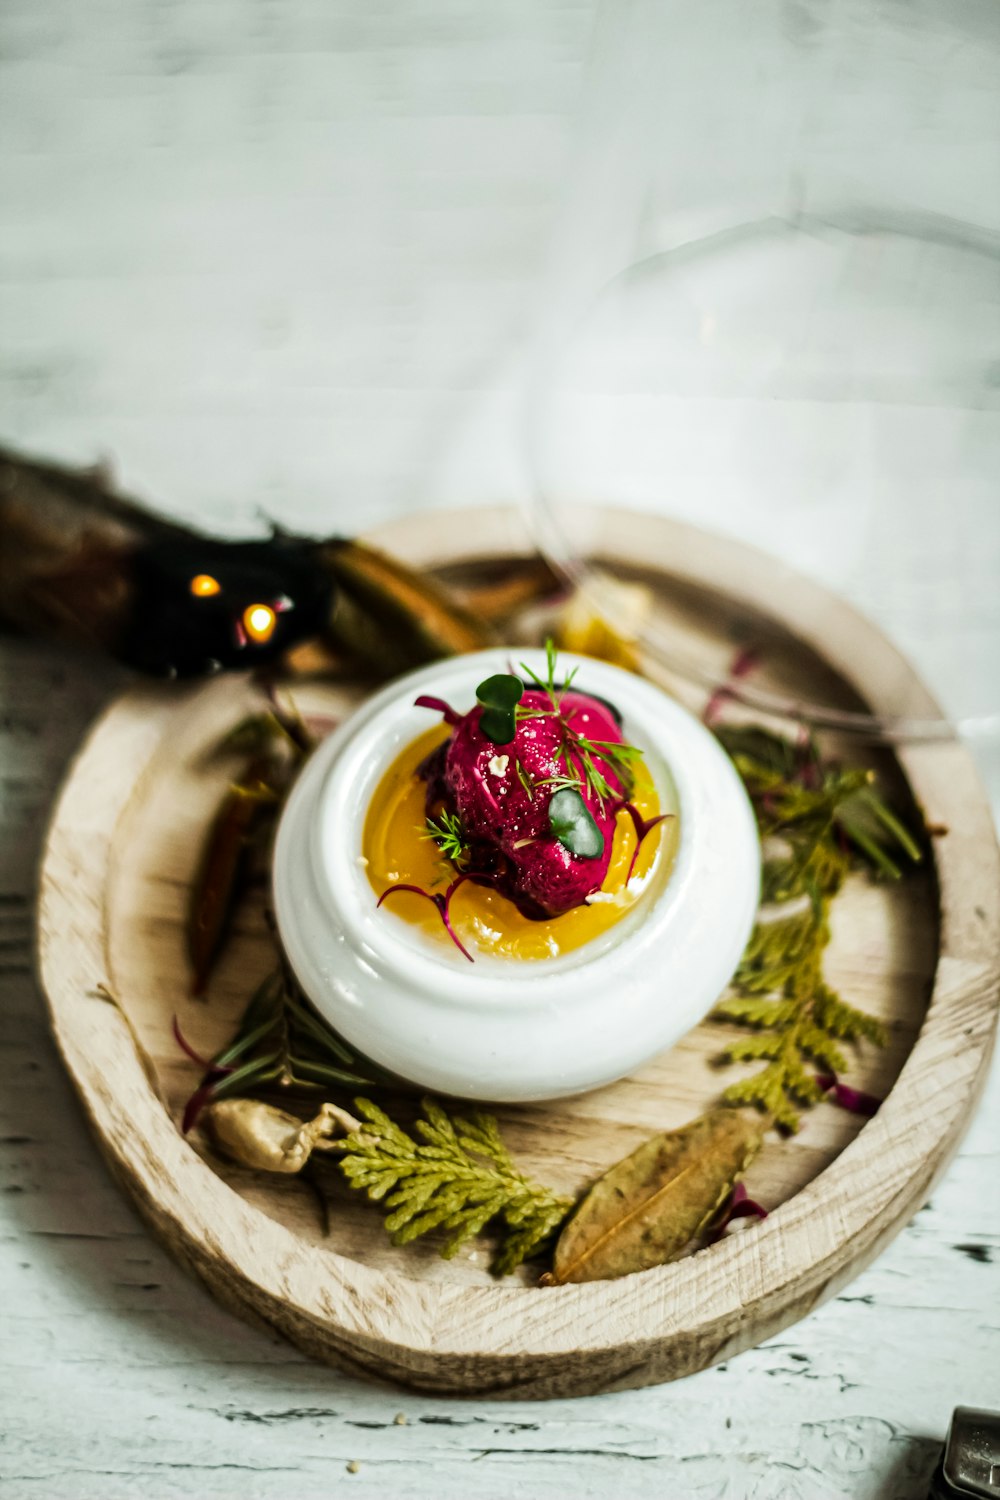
[{"x": 396, "y": 848}]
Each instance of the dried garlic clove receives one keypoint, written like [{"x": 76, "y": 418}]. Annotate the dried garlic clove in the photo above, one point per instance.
[{"x": 267, "y": 1139}]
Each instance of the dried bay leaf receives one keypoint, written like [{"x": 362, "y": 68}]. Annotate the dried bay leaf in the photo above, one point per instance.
[{"x": 649, "y": 1206}]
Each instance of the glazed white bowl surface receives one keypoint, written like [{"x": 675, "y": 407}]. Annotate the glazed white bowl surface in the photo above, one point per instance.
[{"x": 510, "y": 1030}]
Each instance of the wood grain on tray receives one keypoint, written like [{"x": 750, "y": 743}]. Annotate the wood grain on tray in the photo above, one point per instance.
[{"x": 121, "y": 853}]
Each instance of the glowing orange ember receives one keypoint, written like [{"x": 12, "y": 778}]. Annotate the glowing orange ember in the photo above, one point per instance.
[
  {"x": 203, "y": 586},
  {"x": 259, "y": 621}
]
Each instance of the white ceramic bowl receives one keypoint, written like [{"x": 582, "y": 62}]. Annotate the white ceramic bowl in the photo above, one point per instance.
[{"x": 510, "y": 1030}]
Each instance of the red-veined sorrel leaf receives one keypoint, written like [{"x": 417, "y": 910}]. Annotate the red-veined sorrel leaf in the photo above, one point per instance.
[
  {"x": 441, "y": 901},
  {"x": 449, "y": 714}
]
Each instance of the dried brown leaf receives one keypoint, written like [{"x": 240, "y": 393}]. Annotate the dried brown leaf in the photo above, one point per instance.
[
  {"x": 223, "y": 866},
  {"x": 648, "y": 1207}
]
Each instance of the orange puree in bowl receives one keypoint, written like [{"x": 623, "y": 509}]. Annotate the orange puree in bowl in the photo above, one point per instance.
[{"x": 396, "y": 848}]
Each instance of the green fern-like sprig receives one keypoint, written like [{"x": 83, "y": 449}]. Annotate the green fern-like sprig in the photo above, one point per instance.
[
  {"x": 457, "y": 1178},
  {"x": 780, "y": 993},
  {"x": 449, "y": 835},
  {"x": 822, "y": 820}
]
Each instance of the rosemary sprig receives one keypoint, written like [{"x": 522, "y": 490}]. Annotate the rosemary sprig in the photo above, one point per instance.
[
  {"x": 824, "y": 820},
  {"x": 525, "y": 780},
  {"x": 549, "y": 686},
  {"x": 458, "y": 1177},
  {"x": 279, "y": 1046},
  {"x": 449, "y": 835}
]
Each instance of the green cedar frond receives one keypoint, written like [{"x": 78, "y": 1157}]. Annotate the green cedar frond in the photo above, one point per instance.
[
  {"x": 839, "y": 1019},
  {"x": 825, "y": 820},
  {"x": 457, "y": 1177},
  {"x": 755, "y": 1010},
  {"x": 762, "y": 1044}
]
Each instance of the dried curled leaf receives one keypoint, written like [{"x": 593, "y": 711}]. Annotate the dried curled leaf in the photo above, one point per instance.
[
  {"x": 247, "y": 808},
  {"x": 392, "y": 617},
  {"x": 648, "y": 1207},
  {"x": 267, "y": 1139}
]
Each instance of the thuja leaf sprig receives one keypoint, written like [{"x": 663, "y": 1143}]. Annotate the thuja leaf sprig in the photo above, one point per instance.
[
  {"x": 458, "y": 1177},
  {"x": 823, "y": 820}
]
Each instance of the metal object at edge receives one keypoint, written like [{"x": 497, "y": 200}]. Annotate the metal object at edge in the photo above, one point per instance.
[{"x": 970, "y": 1464}]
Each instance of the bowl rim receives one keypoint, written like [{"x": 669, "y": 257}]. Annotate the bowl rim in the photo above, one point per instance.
[{"x": 419, "y": 1008}]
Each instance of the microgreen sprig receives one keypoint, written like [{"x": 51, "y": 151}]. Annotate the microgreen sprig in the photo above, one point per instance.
[
  {"x": 572, "y": 822},
  {"x": 554, "y": 691},
  {"x": 499, "y": 696},
  {"x": 574, "y": 747},
  {"x": 449, "y": 835}
]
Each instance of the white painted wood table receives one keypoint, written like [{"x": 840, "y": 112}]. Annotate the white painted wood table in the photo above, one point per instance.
[{"x": 248, "y": 247}]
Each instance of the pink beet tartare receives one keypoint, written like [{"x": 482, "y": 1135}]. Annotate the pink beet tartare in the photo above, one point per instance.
[
  {"x": 501, "y": 795},
  {"x": 524, "y": 796}
]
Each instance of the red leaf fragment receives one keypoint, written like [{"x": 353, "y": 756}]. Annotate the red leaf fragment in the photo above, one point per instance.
[
  {"x": 446, "y": 711},
  {"x": 743, "y": 663},
  {"x": 642, "y": 827},
  {"x": 738, "y": 1206},
  {"x": 186, "y": 1046},
  {"x": 858, "y": 1102},
  {"x": 195, "y": 1105},
  {"x": 442, "y": 902},
  {"x": 205, "y": 1090}
]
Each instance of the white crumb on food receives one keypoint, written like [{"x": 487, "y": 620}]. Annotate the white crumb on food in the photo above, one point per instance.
[
  {"x": 362, "y": 862},
  {"x": 498, "y": 765}
]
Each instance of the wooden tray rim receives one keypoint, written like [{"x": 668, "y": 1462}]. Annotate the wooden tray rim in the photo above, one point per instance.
[{"x": 574, "y": 1339}]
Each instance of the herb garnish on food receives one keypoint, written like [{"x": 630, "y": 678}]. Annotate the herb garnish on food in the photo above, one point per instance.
[
  {"x": 525, "y": 794},
  {"x": 449, "y": 835}
]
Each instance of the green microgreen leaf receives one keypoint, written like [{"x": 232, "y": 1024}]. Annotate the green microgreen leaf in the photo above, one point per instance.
[
  {"x": 499, "y": 696},
  {"x": 449, "y": 835},
  {"x": 573, "y": 825}
]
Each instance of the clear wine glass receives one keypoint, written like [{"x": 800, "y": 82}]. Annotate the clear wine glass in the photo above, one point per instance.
[{"x": 773, "y": 311}]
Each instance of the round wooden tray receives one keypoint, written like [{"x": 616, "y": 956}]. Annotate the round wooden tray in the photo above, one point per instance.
[{"x": 922, "y": 955}]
